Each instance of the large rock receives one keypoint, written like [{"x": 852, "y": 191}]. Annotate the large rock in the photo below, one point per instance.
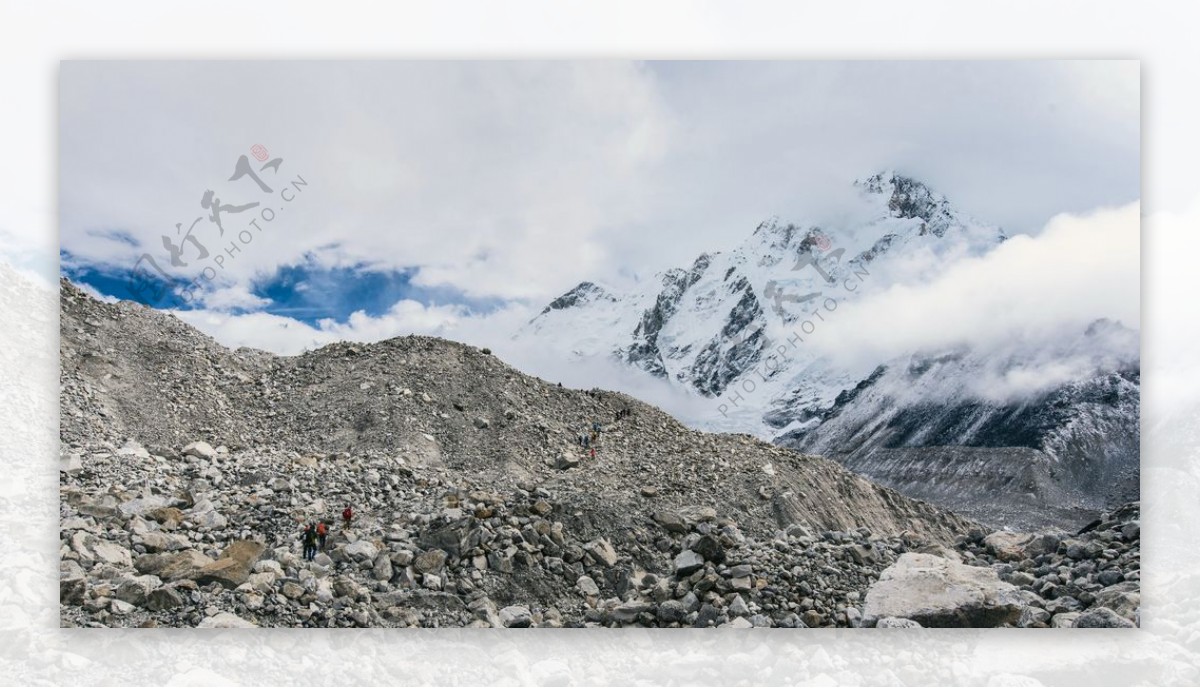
[
  {"x": 111, "y": 553},
  {"x": 1102, "y": 617},
  {"x": 429, "y": 562},
  {"x": 225, "y": 620},
  {"x": 382, "y": 571},
  {"x": 603, "y": 551},
  {"x": 629, "y": 611},
  {"x": 163, "y": 599},
  {"x": 937, "y": 592},
  {"x": 233, "y": 567},
  {"x": 697, "y": 514},
  {"x": 1007, "y": 546},
  {"x": 200, "y": 449},
  {"x": 185, "y": 565},
  {"x": 204, "y": 515},
  {"x": 587, "y": 586},
  {"x": 708, "y": 547},
  {"x": 158, "y": 541},
  {"x": 143, "y": 505},
  {"x": 516, "y": 616},
  {"x": 451, "y": 538},
  {"x": 682, "y": 519},
  {"x": 688, "y": 561},
  {"x": 169, "y": 517},
  {"x": 137, "y": 590},
  {"x": 671, "y": 521},
  {"x": 70, "y": 463},
  {"x": 1122, "y": 599},
  {"x": 72, "y": 584},
  {"x": 362, "y": 550},
  {"x": 894, "y": 622}
]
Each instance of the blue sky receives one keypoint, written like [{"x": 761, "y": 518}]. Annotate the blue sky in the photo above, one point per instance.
[
  {"x": 458, "y": 198},
  {"x": 307, "y": 292}
]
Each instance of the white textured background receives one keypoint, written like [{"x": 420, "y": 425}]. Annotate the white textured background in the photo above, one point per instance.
[{"x": 34, "y": 36}]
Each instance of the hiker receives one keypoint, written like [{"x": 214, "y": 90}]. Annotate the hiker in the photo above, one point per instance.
[
  {"x": 309, "y": 538},
  {"x": 322, "y": 533},
  {"x": 347, "y": 515},
  {"x": 593, "y": 452},
  {"x": 586, "y": 441}
]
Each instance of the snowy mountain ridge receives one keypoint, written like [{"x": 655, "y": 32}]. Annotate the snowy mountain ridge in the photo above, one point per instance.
[
  {"x": 733, "y": 329},
  {"x": 707, "y": 326}
]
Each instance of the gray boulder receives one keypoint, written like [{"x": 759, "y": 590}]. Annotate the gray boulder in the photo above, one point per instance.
[
  {"x": 937, "y": 592},
  {"x": 687, "y": 562},
  {"x": 516, "y": 616},
  {"x": 1102, "y": 617}
]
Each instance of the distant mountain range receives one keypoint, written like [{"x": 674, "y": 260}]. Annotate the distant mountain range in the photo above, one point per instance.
[{"x": 727, "y": 327}]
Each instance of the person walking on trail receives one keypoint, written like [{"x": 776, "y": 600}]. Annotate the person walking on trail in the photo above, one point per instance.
[
  {"x": 322, "y": 533},
  {"x": 593, "y": 452},
  {"x": 347, "y": 516},
  {"x": 309, "y": 539}
]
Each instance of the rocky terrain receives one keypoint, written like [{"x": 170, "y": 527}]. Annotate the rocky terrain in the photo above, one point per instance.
[
  {"x": 187, "y": 471},
  {"x": 1057, "y": 458}
]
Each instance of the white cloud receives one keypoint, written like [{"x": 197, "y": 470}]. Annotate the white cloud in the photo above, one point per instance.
[
  {"x": 494, "y": 178},
  {"x": 1080, "y": 268},
  {"x": 517, "y": 180},
  {"x": 233, "y": 297},
  {"x": 289, "y": 336}
]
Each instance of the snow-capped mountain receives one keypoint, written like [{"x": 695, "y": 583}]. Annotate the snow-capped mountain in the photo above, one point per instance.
[
  {"x": 1079, "y": 438},
  {"x": 732, "y": 330},
  {"x": 712, "y": 325}
]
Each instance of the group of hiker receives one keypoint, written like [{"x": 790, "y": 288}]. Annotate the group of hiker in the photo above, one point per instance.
[
  {"x": 588, "y": 439},
  {"x": 315, "y": 533}
]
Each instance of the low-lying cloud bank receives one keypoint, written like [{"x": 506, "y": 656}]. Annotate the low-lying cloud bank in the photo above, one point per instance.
[
  {"x": 1029, "y": 308},
  {"x": 1026, "y": 305}
]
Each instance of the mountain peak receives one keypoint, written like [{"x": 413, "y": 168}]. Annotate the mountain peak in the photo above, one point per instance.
[
  {"x": 584, "y": 292},
  {"x": 911, "y": 198}
]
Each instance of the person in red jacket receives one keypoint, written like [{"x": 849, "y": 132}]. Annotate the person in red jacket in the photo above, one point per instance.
[
  {"x": 322, "y": 533},
  {"x": 347, "y": 515}
]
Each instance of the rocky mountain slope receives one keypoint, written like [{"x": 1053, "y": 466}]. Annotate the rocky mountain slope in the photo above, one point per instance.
[
  {"x": 1060, "y": 456},
  {"x": 711, "y": 330},
  {"x": 187, "y": 470}
]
